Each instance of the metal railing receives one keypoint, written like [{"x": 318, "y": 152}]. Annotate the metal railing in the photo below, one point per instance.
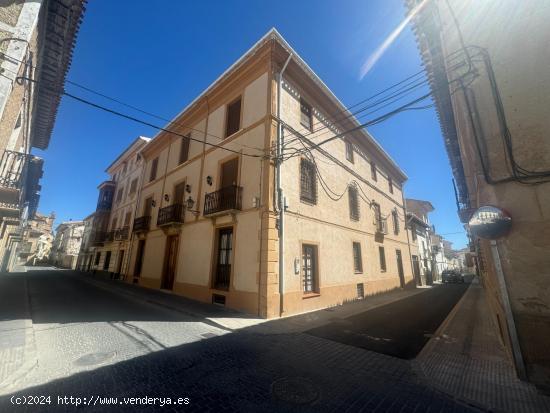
[
  {"x": 121, "y": 234},
  {"x": 109, "y": 236},
  {"x": 225, "y": 199},
  {"x": 171, "y": 214},
  {"x": 12, "y": 166},
  {"x": 141, "y": 224}
]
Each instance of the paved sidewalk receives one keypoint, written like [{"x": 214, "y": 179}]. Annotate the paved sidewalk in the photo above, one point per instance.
[
  {"x": 17, "y": 346},
  {"x": 233, "y": 320},
  {"x": 466, "y": 359}
]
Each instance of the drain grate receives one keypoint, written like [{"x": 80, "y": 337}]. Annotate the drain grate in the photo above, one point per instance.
[
  {"x": 95, "y": 358},
  {"x": 296, "y": 390}
]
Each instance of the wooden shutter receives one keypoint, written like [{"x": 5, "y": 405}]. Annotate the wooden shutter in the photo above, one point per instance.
[
  {"x": 353, "y": 203},
  {"x": 184, "y": 149},
  {"x": 357, "y": 259},
  {"x": 233, "y": 123}
]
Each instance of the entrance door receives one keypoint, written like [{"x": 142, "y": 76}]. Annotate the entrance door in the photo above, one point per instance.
[
  {"x": 416, "y": 269},
  {"x": 309, "y": 268},
  {"x": 170, "y": 262},
  {"x": 120, "y": 261},
  {"x": 400, "y": 268},
  {"x": 223, "y": 261},
  {"x": 139, "y": 258},
  {"x": 229, "y": 173}
]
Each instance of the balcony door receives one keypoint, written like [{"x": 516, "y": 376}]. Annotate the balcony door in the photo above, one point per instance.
[
  {"x": 179, "y": 193},
  {"x": 224, "y": 254},
  {"x": 170, "y": 261},
  {"x": 229, "y": 173}
]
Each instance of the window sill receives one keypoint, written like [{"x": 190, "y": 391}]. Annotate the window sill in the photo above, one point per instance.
[{"x": 310, "y": 295}]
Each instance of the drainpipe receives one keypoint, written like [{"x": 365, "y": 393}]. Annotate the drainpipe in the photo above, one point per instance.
[{"x": 280, "y": 197}]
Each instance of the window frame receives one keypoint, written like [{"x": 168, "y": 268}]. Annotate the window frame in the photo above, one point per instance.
[
  {"x": 230, "y": 105},
  {"x": 312, "y": 197},
  {"x": 357, "y": 260},
  {"x": 315, "y": 290},
  {"x": 185, "y": 145},
  {"x": 382, "y": 259},
  {"x": 154, "y": 169},
  {"x": 390, "y": 184},
  {"x": 373, "y": 173},
  {"x": 395, "y": 217},
  {"x": 349, "y": 150},
  {"x": 305, "y": 105},
  {"x": 353, "y": 203}
]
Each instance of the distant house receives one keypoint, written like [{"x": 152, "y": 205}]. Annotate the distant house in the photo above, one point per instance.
[{"x": 66, "y": 244}]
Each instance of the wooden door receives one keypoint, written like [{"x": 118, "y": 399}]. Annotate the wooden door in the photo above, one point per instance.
[
  {"x": 170, "y": 262},
  {"x": 400, "y": 268},
  {"x": 229, "y": 173},
  {"x": 223, "y": 260}
]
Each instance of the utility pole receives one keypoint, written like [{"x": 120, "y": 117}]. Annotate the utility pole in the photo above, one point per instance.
[{"x": 280, "y": 204}]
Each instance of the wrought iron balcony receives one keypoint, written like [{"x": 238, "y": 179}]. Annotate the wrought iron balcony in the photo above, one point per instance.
[
  {"x": 11, "y": 169},
  {"x": 121, "y": 234},
  {"x": 172, "y": 214},
  {"x": 97, "y": 237},
  {"x": 223, "y": 200},
  {"x": 382, "y": 226},
  {"x": 109, "y": 236},
  {"x": 141, "y": 224}
]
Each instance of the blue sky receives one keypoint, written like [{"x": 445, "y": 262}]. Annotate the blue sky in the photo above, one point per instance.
[{"x": 160, "y": 58}]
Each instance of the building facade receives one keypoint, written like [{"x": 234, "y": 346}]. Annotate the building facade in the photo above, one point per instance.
[
  {"x": 36, "y": 240},
  {"x": 36, "y": 41},
  {"x": 208, "y": 223},
  {"x": 66, "y": 244},
  {"x": 108, "y": 234},
  {"x": 488, "y": 68},
  {"x": 421, "y": 239}
]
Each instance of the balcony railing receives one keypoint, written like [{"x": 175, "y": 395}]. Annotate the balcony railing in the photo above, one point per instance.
[
  {"x": 141, "y": 224},
  {"x": 225, "y": 199},
  {"x": 171, "y": 214},
  {"x": 109, "y": 236},
  {"x": 97, "y": 237},
  {"x": 121, "y": 234},
  {"x": 11, "y": 169},
  {"x": 382, "y": 226}
]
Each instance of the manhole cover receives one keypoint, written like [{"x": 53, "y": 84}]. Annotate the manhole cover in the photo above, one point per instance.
[
  {"x": 94, "y": 358},
  {"x": 297, "y": 390}
]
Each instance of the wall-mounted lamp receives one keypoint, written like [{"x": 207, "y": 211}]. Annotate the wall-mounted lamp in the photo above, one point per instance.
[
  {"x": 209, "y": 180},
  {"x": 153, "y": 203},
  {"x": 188, "y": 188},
  {"x": 166, "y": 197},
  {"x": 190, "y": 203}
]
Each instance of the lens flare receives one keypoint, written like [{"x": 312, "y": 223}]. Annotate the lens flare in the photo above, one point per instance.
[{"x": 374, "y": 57}]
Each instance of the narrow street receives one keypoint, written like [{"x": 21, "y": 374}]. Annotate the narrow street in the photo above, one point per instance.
[{"x": 92, "y": 342}]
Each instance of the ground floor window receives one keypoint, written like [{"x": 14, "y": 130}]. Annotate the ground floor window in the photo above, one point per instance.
[
  {"x": 97, "y": 258},
  {"x": 310, "y": 268},
  {"x": 382, "y": 254}
]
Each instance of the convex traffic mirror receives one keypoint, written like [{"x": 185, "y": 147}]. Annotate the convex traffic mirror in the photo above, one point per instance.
[{"x": 490, "y": 222}]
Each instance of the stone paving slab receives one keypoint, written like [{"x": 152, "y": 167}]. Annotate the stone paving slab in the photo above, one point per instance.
[
  {"x": 17, "y": 346},
  {"x": 466, "y": 359}
]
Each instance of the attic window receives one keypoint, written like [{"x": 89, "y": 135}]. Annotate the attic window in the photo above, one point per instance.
[{"x": 305, "y": 114}]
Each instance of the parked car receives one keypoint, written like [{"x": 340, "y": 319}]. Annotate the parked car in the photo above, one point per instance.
[{"x": 452, "y": 276}]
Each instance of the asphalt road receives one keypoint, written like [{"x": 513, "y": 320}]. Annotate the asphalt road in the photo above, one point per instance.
[
  {"x": 399, "y": 329},
  {"x": 103, "y": 348}
]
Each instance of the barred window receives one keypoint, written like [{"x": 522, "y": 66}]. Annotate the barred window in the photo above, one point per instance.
[
  {"x": 353, "y": 203},
  {"x": 308, "y": 182},
  {"x": 395, "y": 217},
  {"x": 382, "y": 259},
  {"x": 357, "y": 259}
]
